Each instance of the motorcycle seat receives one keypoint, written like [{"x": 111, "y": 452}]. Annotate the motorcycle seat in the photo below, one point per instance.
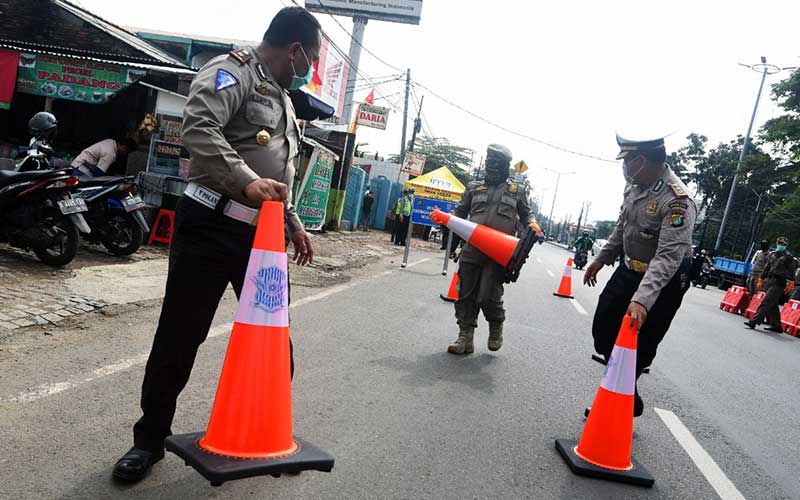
[
  {"x": 102, "y": 181},
  {"x": 10, "y": 177}
]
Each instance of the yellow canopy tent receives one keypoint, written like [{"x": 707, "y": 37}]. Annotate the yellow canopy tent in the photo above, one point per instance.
[{"x": 439, "y": 184}]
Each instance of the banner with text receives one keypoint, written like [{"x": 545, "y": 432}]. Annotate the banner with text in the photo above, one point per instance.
[
  {"x": 414, "y": 163},
  {"x": 422, "y": 207},
  {"x": 372, "y": 116},
  {"x": 315, "y": 189},
  {"x": 72, "y": 79}
]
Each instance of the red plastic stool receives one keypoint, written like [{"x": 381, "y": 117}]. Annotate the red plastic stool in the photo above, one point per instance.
[{"x": 165, "y": 223}]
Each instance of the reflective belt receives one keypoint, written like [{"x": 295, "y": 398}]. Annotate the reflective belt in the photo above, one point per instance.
[
  {"x": 211, "y": 199},
  {"x": 636, "y": 266}
]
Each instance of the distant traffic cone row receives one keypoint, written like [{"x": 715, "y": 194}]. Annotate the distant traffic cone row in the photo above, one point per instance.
[
  {"x": 506, "y": 250},
  {"x": 604, "y": 450},
  {"x": 565, "y": 288},
  {"x": 452, "y": 292},
  {"x": 252, "y": 413}
]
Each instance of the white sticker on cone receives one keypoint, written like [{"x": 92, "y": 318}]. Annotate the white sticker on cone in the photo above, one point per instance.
[
  {"x": 265, "y": 292},
  {"x": 462, "y": 227},
  {"x": 620, "y": 374}
]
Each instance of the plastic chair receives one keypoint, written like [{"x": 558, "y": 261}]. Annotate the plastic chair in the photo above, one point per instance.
[{"x": 165, "y": 222}]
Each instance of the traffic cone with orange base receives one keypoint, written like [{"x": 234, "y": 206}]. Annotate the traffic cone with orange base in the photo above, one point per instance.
[
  {"x": 452, "y": 292},
  {"x": 250, "y": 429},
  {"x": 506, "y": 250},
  {"x": 565, "y": 288},
  {"x": 604, "y": 450}
]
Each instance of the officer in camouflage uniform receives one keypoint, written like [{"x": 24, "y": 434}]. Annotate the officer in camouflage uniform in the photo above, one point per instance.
[
  {"x": 779, "y": 269},
  {"x": 240, "y": 129},
  {"x": 654, "y": 233},
  {"x": 498, "y": 203}
]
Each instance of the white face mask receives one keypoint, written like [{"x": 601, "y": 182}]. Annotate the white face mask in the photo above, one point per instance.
[{"x": 629, "y": 177}]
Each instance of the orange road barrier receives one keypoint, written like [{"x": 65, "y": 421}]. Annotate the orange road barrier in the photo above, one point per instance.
[
  {"x": 790, "y": 318},
  {"x": 506, "y": 250},
  {"x": 604, "y": 450},
  {"x": 736, "y": 300},
  {"x": 565, "y": 288},
  {"x": 250, "y": 429}
]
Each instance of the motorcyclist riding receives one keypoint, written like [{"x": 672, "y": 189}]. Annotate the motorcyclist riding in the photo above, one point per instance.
[{"x": 583, "y": 244}]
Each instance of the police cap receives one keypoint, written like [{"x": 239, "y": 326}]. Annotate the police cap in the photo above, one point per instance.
[{"x": 628, "y": 145}]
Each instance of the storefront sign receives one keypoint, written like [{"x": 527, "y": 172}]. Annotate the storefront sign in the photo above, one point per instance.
[
  {"x": 372, "y": 116},
  {"x": 398, "y": 11},
  {"x": 167, "y": 154},
  {"x": 414, "y": 163},
  {"x": 316, "y": 188},
  {"x": 72, "y": 79},
  {"x": 422, "y": 207}
]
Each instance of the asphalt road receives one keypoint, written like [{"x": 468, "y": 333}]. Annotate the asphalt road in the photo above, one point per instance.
[{"x": 375, "y": 387}]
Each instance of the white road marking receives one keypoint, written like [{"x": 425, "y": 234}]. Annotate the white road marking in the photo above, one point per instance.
[
  {"x": 578, "y": 307},
  {"x": 538, "y": 260},
  {"x": 718, "y": 480},
  {"x": 551, "y": 273},
  {"x": 45, "y": 390}
]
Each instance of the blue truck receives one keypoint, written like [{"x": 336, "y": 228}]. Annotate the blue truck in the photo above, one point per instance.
[{"x": 731, "y": 272}]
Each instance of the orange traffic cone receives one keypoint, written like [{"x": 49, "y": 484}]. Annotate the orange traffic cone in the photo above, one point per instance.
[
  {"x": 506, "y": 250},
  {"x": 565, "y": 288},
  {"x": 250, "y": 429},
  {"x": 452, "y": 292},
  {"x": 604, "y": 450}
]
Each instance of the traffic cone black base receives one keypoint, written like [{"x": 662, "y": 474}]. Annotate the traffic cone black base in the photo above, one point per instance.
[
  {"x": 565, "y": 296},
  {"x": 603, "y": 361},
  {"x": 446, "y": 298},
  {"x": 638, "y": 475},
  {"x": 219, "y": 469}
]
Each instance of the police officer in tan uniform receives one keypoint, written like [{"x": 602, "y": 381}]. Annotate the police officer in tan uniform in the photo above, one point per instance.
[
  {"x": 499, "y": 203},
  {"x": 778, "y": 270},
  {"x": 240, "y": 129},
  {"x": 654, "y": 234}
]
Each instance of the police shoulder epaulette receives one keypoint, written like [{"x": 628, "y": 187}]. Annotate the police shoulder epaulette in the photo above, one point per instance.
[
  {"x": 678, "y": 190},
  {"x": 241, "y": 55}
]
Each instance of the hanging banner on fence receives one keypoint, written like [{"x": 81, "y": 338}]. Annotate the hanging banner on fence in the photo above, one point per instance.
[
  {"x": 424, "y": 206},
  {"x": 414, "y": 163},
  {"x": 372, "y": 116},
  {"x": 316, "y": 188},
  {"x": 72, "y": 79}
]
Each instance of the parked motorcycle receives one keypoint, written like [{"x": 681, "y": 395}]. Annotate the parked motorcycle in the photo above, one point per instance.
[
  {"x": 702, "y": 278},
  {"x": 115, "y": 213},
  {"x": 38, "y": 213},
  {"x": 581, "y": 259}
]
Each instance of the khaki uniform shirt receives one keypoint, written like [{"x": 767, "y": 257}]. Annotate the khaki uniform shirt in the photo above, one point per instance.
[
  {"x": 499, "y": 207},
  {"x": 101, "y": 155},
  {"x": 654, "y": 227},
  {"x": 759, "y": 261},
  {"x": 231, "y": 100},
  {"x": 780, "y": 265}
]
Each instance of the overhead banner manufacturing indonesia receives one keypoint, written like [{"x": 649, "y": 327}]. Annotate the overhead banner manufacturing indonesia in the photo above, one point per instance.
[
  {"x": 396, "y": 11},
  {"x": 316, "y": 188}
]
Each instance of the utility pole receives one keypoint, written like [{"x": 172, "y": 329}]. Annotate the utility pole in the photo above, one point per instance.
[
  {"x": 553, "y": 206},
  {"x": 417, "y": 125},
  {"x": 765, "y": 69},
  {"x": 580, "y": 217},
  {"x": 359, "y": 24},
  {"x": 405, "y": 121}
]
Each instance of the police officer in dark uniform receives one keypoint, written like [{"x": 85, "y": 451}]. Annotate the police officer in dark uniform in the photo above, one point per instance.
[
  {"x": 779, "y": 269},
  {"x": 654, "y": 234},
  {"x": 498, "y": 203},
  {"x": 240, "y": 129}
]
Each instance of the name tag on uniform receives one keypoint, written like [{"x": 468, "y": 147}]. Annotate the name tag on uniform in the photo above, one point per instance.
[{"x": 206, "y": 197}]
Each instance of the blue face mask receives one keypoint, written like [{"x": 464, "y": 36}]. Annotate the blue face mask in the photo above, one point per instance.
[
  {"x": 780, "y": 248},
  {"x": 300, "y": 81}
]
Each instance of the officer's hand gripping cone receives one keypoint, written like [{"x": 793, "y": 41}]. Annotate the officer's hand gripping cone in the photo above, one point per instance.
[
  {"x": 565, "y": 287},
  {"x": 452, "y": 292},
  {"x": 506, "y": 250},
  {"x": 250, "y": 429},
  {"x": 604, "y": 450}
]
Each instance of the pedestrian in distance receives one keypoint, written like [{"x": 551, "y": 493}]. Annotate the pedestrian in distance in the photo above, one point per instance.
[
  {"x": 239, "y": 127},
  {"x": 496, "y": 202},
  {"x": 778, "y": 270},
  {"x": 758, "y": 262},
  {"x": 366, "y": 210},
  {"x": 654, "y": 234}
]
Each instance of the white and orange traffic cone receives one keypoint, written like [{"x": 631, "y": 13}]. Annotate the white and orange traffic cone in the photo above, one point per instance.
[
  {"x": 506, "y": 250},
  {"x": 250, "y": 429},
  {"x": 452, "y": 292},
  {"x": 565, "y": 288},
  {"x": 604, "y": 450}
]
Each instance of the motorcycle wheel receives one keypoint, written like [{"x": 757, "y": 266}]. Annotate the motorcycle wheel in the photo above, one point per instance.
[
  {"x": 64, "y": 249},
  {"x": 123, "y": 236}
]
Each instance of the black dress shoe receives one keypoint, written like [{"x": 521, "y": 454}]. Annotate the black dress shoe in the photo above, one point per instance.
[
  {"x": 638, "y": 404},
  {"x": 773, "y": 329},
  {"x": 134, "y": 465},
  {"x": 750, "y": 324}
]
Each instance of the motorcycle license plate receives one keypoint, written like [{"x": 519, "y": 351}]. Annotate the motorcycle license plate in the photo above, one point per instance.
[
  {"x": 133, "y": 203},
  {"x": 72, "y": 206}
]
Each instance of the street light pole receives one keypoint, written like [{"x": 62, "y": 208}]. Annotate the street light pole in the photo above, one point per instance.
[
  {"x": 765, "y": 69},
  {"x": 553, "y": 206}
]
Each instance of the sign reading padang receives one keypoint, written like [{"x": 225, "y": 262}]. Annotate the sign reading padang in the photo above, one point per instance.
[
  {"x": 372, "y": 116},
  {"x": 72, "y": 79}
]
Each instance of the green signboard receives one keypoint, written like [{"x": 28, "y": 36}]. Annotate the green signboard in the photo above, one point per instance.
[
  {"x": 72, "y": 79},
  {"x": 316, "y": 188}
]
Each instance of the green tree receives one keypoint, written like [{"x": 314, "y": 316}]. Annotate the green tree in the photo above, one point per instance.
[{"x": 604, "y": 228}]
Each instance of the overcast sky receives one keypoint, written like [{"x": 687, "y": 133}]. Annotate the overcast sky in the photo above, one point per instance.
[{"x": 569, "y": 73}]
